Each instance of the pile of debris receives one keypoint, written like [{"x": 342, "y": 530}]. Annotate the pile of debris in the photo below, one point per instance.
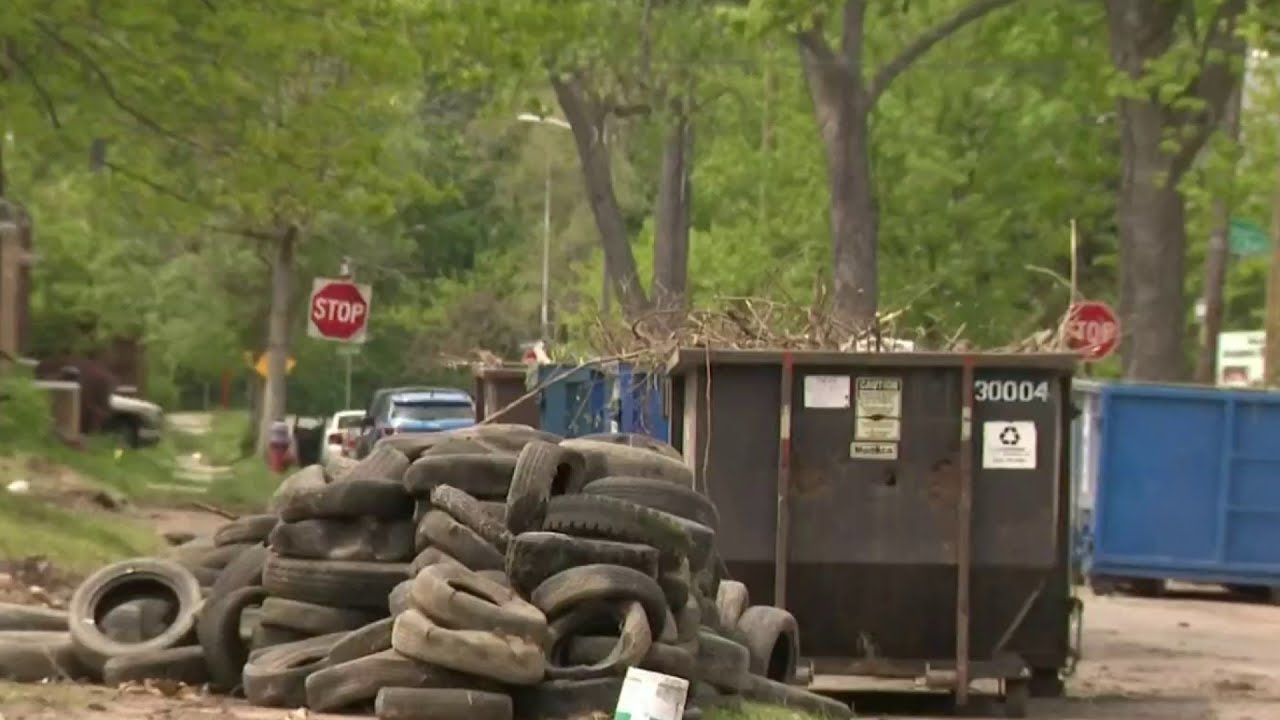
[{"x": 480, "y": 574}]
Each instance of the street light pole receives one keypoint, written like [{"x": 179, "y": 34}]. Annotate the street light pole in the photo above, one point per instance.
[
  {"x": 545, "y": 311},
  {"x": 546, "y": 252}
]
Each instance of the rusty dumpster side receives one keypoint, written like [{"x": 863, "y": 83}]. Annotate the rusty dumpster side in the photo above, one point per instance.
[{"x": 911, "y": 509}]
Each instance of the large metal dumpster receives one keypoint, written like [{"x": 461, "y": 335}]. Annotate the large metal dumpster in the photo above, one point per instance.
[
  {"x": 498, "y": 387},
  {"x": 1188, "y": 486},
  {"x": 573, "y": 400},
  {"x": 911, "y": 509},
  {"x": 638, "y": 401}
]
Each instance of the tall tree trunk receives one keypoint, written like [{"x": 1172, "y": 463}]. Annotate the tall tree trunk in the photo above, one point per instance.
[
  {"x": 1215, "y": 262},
  {"x": 1153, "y": 236},
  {"x": 587, "y": 120},
  {"x": 274, "y": 393},
  {"x": 843, "y": 100},
  {"x": 842, "y": 112},
  {"x": 671, "y": 221}
]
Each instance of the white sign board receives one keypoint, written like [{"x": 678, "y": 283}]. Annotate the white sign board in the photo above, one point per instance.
[
  {"x": 1240, "y": 358},
  {"x": 1009, "y": 445},
  {"x": 826, "y": 391}
]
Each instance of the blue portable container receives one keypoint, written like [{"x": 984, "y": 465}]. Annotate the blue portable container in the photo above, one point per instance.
[
  {"x": 1188, "y": 485},
  {"x": 638, "y": 396},
  {"x": 574, "y": 400}
]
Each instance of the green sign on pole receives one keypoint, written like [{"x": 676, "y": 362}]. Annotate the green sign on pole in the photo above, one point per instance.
[{"x": 1248, "y": 238}]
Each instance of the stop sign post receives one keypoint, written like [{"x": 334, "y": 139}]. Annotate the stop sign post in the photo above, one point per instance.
[
  {"x": 1092, "y": 329},
  {"x": 339, "y": 310}
]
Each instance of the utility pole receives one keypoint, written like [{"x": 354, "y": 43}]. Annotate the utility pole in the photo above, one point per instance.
[
  {"x": 1271, "y": 351},
  {"x": 1215, "y": 262},
  {"x": 348, "y": 352}
]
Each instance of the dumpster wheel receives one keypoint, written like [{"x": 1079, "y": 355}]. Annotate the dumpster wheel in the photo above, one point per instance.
[{"x": 1017, "y": 695}]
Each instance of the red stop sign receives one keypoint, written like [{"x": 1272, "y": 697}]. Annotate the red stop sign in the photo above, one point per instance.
[
  {"x": 339, "y": 310},
  {"x": 1092, "y": 329}
]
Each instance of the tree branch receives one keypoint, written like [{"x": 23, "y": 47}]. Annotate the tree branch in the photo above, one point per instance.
[
  {"x": 51, "y": 109},
  {"x": 109, "y": 87},
  {"x": 814, "y": 43},
  {"x": 974, "y": 11},
  {"x": 1212, "y": 86}
]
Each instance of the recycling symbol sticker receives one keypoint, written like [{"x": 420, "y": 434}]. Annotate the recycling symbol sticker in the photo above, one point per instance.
[{"x": 1009, "y": 445}]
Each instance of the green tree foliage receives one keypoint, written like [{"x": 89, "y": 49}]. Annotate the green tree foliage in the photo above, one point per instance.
[{"x": 387, "y": 132}]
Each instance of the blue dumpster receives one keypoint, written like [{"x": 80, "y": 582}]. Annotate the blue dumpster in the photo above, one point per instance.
[
  {"x": 638, "y": 395},
  {"x": 573, "y": 401},
  {"x": 1188, "y": 486}
]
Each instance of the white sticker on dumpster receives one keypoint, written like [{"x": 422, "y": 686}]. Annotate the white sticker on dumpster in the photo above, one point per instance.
[
  {"x": 1009, "y": 445},
  {"x": 873, "y": 451},
  {"x": 826, "y": 391}
]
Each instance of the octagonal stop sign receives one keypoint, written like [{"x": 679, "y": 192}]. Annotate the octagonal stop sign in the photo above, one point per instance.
[
  {"x": 1092, "y": 329},
  {"x": 339, "y": 310}
]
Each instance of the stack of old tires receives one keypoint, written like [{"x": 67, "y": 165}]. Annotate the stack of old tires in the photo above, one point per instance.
[
  {"x": 486, "y": 574},
  {"x": 341, "y": 545}
]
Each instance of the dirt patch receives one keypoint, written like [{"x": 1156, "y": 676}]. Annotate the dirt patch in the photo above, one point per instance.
[
  {"x": 52, "y": 481},
  {"x": 35, "y": 581}
]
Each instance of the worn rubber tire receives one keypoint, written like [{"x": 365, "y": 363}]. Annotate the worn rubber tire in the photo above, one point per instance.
[
  {"x": 507, "y": 659},
  {"x": 428, "y": 557},
  {"x": 250, "y": 529},
  {"x": 335, "y": 583},
  {"x": 662, "y": 657},
  {"x": 277, "y": 677},
  {"x": 351, "y": 498},
  {"x": 661, "y": 495},
  {"x": 533, "y": 557},
  {"x": 337, "y": 467},
  {"x": 636, "y": 440},
  {"x": 244, "y": 571},
  {"x": 462, "y": 543},
  {"x": 204, "y": 554},
  {"x": 372, "y": 638},
  {"x": 688, "y": 622},
  {"x": 384, "y": 462},
  {"x": 143, "y": 577},
  {"x": 473, "y": 514},
  {"x": 180, "y": 664},
  {"x": 35, "y": 655},
  {"x": 564, "y": 699},
  {"x": 772, "y": 636},
  {"x": 605, "y": 459},
  {"x": 30, "y": 617},
  {"x": 312, "y": 618},
  {"x": 355, "y": 683},
  {"x": 363, "y": 539},
  {"x": 731, "y": 601},
  {"x": 634, "y": 639},
  {"x": 612, "y": 519},
  {"x": 676, "y": 584},
  {"x": 269, "y": 636},
  {"x": 542, "y": 470},
  {"x": 566, "y": 589},
  {"x": 764, "y": 690},
  {"x": 139, "y": 619},
  {"x": 218, "y": 629},
  {"x": 402, "y": 703},
  {"x": 400, "y": 598},
  {"x": 461, "y": 599},
  {"x": 485, "y": 477},
  {"x": 307, "y": 479},
  {"x": 723, "y": 663}
]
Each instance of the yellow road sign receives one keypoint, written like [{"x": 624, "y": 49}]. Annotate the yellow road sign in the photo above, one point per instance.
[{"x": 261, "y": 365}]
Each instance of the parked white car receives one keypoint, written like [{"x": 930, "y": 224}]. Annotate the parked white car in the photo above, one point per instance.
[{"x": 340, "y": 433}]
